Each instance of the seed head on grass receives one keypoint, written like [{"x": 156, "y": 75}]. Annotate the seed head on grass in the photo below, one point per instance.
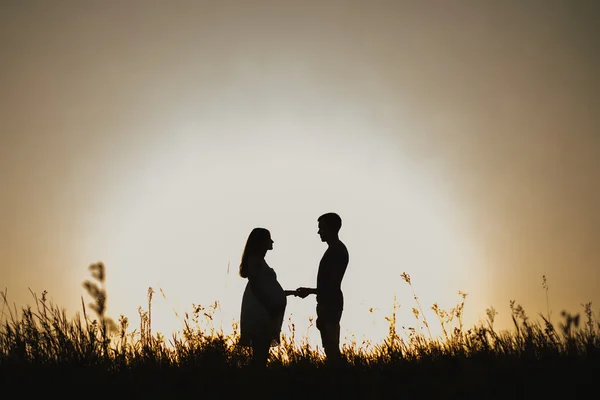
[
  {"x": 491, "y": 314},
  {"x": 406, "y": 278}
]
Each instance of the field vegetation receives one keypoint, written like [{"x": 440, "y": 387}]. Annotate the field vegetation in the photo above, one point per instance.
[{"x": 43, "y": 349}]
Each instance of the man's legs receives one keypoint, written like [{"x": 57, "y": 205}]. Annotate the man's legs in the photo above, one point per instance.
[
  {"x": 328, "y": 323},
  {"x": 330, "y": 337}
]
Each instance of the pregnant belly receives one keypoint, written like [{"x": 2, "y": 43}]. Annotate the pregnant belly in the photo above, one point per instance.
[{"x": 276, "y": 295}]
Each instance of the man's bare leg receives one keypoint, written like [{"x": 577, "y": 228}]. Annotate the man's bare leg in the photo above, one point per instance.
[{"x": 330, "y": 337}]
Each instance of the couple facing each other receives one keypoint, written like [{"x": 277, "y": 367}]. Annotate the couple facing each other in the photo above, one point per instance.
[{"x": 264, "y": 300}]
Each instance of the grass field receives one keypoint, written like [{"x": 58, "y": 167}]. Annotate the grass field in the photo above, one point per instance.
[{"x": 42, "y": 350}]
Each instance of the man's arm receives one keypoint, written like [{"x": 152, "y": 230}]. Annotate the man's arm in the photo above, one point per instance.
[
  {"x": 337, "y": 273},
  {"x": 334, "y": 270},
  {"x": 339, "y": 263}
]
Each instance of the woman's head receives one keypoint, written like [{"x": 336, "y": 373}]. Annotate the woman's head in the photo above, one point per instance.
[{"x": 258, "y": 243}]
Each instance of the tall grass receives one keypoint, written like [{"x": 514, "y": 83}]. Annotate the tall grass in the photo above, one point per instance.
[{"x": 43, "y": 338}]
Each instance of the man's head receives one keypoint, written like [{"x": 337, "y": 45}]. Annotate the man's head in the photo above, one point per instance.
[{"x": 329, "y": 226}]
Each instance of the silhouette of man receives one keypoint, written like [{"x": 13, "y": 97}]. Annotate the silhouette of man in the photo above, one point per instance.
[{"x": 330, "y": 300}]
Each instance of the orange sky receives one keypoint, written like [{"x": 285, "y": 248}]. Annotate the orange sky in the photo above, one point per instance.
[{"x": 204, "y": 119}]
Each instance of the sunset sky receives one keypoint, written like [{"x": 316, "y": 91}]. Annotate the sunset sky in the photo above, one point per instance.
[{"x": 458, "y": 140}]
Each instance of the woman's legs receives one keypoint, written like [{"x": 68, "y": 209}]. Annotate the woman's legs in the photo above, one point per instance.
[{"x": 260, "y": 353}]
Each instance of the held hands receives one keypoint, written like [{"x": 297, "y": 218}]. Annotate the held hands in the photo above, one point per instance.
[{"x": 302, "y": 292}]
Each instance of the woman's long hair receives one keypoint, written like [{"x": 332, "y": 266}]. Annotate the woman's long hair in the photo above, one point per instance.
[{"x": 255, "y": 245}]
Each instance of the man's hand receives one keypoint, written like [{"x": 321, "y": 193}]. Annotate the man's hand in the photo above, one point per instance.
[{"x": 302, "y": 292}]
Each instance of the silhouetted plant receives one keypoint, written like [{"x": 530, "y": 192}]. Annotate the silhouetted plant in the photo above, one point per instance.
[
  {"x": 97, "y": 291},
  {"x": 406, "y": 278}
]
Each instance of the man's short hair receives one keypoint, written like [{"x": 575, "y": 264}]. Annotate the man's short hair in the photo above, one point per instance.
[{"x": 332, "y": 220}]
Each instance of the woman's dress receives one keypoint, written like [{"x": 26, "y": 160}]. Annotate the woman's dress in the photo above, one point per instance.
[{"x": 255, "y": 323}]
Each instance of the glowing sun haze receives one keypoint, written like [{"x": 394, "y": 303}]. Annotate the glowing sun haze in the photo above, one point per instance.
[{"x": 458, "y": 142}]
